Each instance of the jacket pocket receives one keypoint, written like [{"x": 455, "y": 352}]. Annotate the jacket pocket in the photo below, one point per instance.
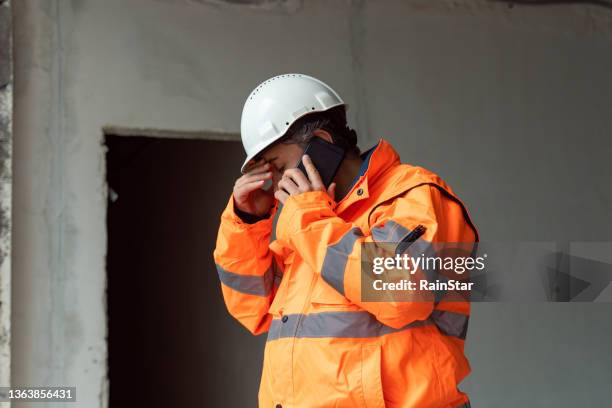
[{"x": 371, "y": 376}]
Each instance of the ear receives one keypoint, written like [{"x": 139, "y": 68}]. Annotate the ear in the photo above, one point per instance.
[{"x": 323, "y": 134}]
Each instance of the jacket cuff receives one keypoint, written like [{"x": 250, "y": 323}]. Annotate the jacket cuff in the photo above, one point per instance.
[
  {"x": 230, "y": 216},
  {"x": 302, "y": 209},
  {"x": 248, "y": 217}
]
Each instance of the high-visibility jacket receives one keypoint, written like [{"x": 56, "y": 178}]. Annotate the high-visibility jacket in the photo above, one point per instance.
[{"x": 325, "y": 346}]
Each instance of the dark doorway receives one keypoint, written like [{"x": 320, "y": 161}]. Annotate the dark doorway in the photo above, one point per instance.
[{"x": 171, "y": 341}]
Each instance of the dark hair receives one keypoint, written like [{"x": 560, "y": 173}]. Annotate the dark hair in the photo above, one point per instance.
[{"x": 332, "y": 120}]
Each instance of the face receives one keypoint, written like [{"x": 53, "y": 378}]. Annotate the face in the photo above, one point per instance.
[
  {"x": 286, "y": 156},
  {"x": 282, "y": 157}
]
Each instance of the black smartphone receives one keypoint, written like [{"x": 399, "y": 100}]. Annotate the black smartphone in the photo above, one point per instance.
[{"x": 325, "y": 156}]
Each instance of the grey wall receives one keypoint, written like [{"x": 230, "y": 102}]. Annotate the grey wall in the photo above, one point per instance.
[
  {"x": 6, "y": 139},
  {"x": 510, "y": 106}
]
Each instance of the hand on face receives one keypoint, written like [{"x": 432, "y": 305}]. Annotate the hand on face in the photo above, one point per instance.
[
  {"x": 294, "y": 181},
  {"x": 248, "y": 195}
]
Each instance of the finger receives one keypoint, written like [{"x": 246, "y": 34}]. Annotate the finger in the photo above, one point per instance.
[
  {"x": 313, "y": 173},
  {"x": 256, "y": 165},
  {"x": 331, "y": 191},
  {"x": 289, "y": 186},
  {"x": 281, "y": 195},
  {"x": 299, "y": 178},
  {"x": 247, "y": 188},
  {"x": 253, "y": 177},
  {"x": 260, "y": 168}
]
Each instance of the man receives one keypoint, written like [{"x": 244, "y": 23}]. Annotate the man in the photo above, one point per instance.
[{"x": 326, "y": 345}]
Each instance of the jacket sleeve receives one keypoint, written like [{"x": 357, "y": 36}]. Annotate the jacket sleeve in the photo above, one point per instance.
[
  {"x": 246, "y": 268},
  {"x": 331, "y": 246}
]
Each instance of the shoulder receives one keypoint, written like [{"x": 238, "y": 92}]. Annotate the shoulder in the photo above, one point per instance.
[
  {"x": 416, "y": 191},
  {"x": 400, "y": 179}
]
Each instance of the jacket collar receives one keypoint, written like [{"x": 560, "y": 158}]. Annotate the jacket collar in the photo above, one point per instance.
[
  {"x": 382, "y": 157},
  {"x": 365, "y": 156}
]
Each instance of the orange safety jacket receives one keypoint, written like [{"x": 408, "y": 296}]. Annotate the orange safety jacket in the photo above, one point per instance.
[{"x": 326, "y": 347}]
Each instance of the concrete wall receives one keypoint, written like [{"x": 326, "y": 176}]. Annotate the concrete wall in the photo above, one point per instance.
[
  {"x": 510, "y": 106},
  {"x": 6, "y": 141}
]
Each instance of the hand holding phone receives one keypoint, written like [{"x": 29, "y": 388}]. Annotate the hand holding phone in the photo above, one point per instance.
[{"x": 326, "y": 157}]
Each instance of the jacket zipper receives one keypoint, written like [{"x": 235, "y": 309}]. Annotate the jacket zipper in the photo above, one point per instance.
[{"x": 415, "y": 234}]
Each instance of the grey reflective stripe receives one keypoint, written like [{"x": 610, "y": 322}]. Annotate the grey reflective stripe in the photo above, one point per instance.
[
  {"x": 279, "y": 329},
  {"x": 390, "y": 232},
  {"x": 451, "y": 323},
  {"x": 394, "y": 232},
  {"x": 249, "y": 284},
  {"x": 336, "y": 257},
  {"x": 425, "y": 248},
  {"x": 359, "y": 324}
]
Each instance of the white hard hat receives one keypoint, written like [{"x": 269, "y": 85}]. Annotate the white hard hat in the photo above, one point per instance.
[{"x": 278, "y": 102}]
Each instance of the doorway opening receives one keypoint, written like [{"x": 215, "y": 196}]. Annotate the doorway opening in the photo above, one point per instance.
[{"x": 171, "y": 341}]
